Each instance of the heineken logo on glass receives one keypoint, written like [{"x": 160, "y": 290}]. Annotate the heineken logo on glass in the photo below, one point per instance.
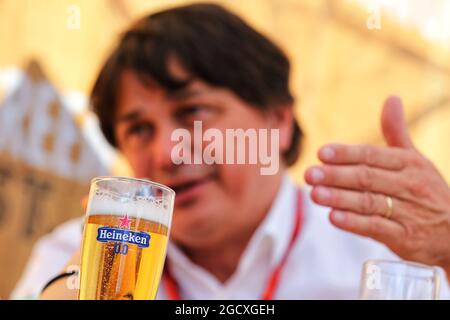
[{"x": 106, "y": 234}]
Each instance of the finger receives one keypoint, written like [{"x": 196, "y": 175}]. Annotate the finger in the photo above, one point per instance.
[
  {"x": 359, "y": 178},
  {"x": 366, "y": 203},
  {"x": 373, "y": 156},
  {"x": 393, "y": 123},
  {"x": 375, "y": 227}
]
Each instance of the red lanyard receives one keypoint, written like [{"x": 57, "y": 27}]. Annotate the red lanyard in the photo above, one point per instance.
[{"x": 171, "y": 285}]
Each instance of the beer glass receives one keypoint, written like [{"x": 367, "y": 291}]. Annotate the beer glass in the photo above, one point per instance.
[
  {"x": 398, "y": 280},
  {"x": 125, "y": 239}
]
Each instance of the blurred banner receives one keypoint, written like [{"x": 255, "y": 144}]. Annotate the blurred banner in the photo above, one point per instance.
[
  {"x": 347, "y": 56},
  {"x": 46, "y": 164}
]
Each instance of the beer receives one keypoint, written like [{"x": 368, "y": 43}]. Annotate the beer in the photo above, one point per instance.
[{"x": 125, "y": 241}]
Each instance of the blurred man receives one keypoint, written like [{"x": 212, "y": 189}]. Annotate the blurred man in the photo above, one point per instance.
[{"x": 237, "y": 233}]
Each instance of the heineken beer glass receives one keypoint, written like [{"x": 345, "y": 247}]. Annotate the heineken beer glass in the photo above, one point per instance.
[{"x": 125, "y": 238}]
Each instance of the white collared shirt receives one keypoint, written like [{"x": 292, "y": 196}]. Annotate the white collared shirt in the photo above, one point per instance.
[{"x": 325, "y": 263}]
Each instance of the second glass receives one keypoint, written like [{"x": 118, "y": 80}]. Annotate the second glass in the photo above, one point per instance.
[{"x": 399, "y": 280}]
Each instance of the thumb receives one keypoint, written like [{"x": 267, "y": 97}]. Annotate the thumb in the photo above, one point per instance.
[{"x": 393, "y": 123}]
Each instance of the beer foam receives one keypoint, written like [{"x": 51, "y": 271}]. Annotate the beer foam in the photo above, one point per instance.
[{"x": 138, "y": 209}]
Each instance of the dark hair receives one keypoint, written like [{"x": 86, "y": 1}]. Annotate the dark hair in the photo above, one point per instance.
[{"x": 211, "y": 44}]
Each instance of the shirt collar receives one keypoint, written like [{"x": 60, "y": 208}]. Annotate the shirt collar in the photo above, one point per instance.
[{"x": 277, "y": 226}]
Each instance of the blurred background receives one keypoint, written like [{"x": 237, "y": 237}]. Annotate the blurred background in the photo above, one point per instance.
[{"x": 347, "y": 56}]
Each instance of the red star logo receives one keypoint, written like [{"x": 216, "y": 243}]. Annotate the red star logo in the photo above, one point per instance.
[{"x": 125, "y": 222}]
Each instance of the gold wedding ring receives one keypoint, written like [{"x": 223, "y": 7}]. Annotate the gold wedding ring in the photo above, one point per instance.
[{"x": 390, "y": 207}]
